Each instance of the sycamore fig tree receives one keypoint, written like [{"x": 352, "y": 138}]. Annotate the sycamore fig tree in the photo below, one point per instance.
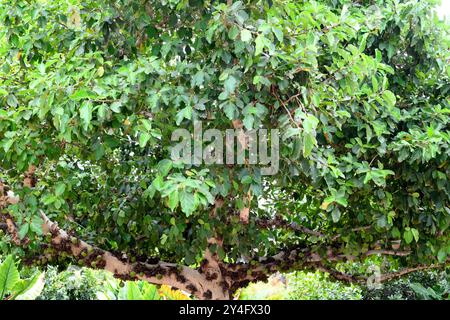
[{"x": 92, "y": 91}]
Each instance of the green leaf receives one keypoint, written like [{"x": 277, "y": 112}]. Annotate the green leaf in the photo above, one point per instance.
[
  {"x": 246, "y": 35},
  {"x": 247, "y": 179},
  {"x": 150, "y": 292},
  {"x": 259, "y": 44},
  {"x": 11, "y": 100},
  {"x": 30, "y": 289},
  {"x": 60, "y": 188},
  {"x": 187, "y": 201},
  {"x": 158, "y": 183},
  {"x": 278, "y": 34},
  {"x": 233, "y": 32},
  {"x": 248, "y": 121},
  {"x": 115, "y": 106},
  {"x": 442, "y": 254},
  {"x": 173, "y": 199},
  {"x": 82, "y": 94},
  {"x": 374, "y": 84},
  {"x": 408, "y": 236},
  {"x": 7, "y": 144},
  {"x": 362, "y": 44},
  {"x": 229, "y": 108},
  {"x": 101, "y": 112},
  {"x": 144, "y": 137},
  {"x": 164, "y": 167},
  {"x": 86, "y": 114},
  {"x": 389, "y": 97},
  {"x": 36, "y": 225},
  {"x": 9, "y": 276},
  {"x": 336, "y": 215},
  {"x": 309, "y": 141},
  {"x": 415, "y": 234},
  {"x": 310, "y": 124},
  {"x": 133, "y": 292},
  {"x": 230, "y": 84},
  {"x": 198, "y": 78},
  {"x": 23, "y": 231}
]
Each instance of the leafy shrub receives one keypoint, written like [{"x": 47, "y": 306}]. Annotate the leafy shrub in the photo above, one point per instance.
[
  {"x": 72, "y": 284},
  {"x": 318, "y": 286},
  {"x": 87, "y": 284},
  {"x": 273, "y": 290},
  {"x": 302, "y": 286},
  {"x": 417, "y": 286}
]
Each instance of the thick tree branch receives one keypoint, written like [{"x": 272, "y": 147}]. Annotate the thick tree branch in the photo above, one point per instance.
[
  {"x": 401, "y": 273},
  {"x": 203, "y": 283},
  {"x": 303, "y": 258},
  {"x": 397, "y": 253},
  {"x": 181, "y": 277}
]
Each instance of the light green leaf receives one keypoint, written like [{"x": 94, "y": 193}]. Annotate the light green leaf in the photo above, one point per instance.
[
  {"x": 246, "y": 35},
  {"x": 86, "y": 114},
  {"x": 278, "y": 34},
  {"x": 259, "y": 44},
  {"x": 230, "y": 84},
  {"x": 336, "y": 215},
  {"x": 9, "y": 276},
  {"x": 310, "y": 124},
  {"x": 248, "y": 121},
  {"x": 389, "y": 97},
  {"x": 187, "y": 201},
  {"x": 82, "y": 94},
  {"x": 164, "y": 167},
  {"x": 150, "y": 292},
  {"x": 233, "y": 32},
  {"x": 309, "y": 141},
  {"x": 115, "y": 106},
  {"x": 229, "y": 108},
  {"x": 30, "y": 289},
  {"x": 407, "y": 235},
  {"x": 173, "y": 199},
  {"x": 133, "y": 292},
  {"x": 60, "y": 188},
  {"x": 144, "y": 137},
  {"x": 23, "y": 231}
]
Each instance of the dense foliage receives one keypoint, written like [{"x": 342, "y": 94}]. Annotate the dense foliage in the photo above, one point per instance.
[
  {"x": 72, "y": 284},
  {"x": 91, "y": 91},
  {"x": 417, "y": 286},
  {"x": 302, "y": 286},
  {"x": 87, "y": 284}
]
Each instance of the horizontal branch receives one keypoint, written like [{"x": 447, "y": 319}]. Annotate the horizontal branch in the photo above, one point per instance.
[
  {"x": 181, "y": 277},
  {"x": 397, "y": 253},
  {"x": 257, "y": 269},
  {"x": 401, "y": 273}
]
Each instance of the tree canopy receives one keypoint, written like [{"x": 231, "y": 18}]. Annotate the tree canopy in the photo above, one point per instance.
[{"x": 91, "y": 92}]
